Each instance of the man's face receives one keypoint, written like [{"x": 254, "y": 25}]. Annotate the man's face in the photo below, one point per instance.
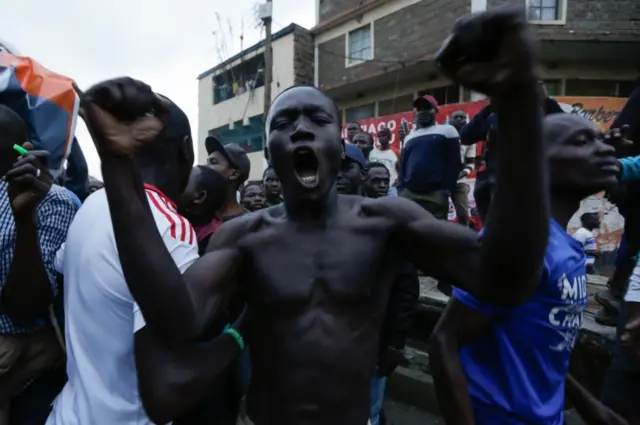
[
  {"x": 349, "y": 178},
  {"x": 352, "y": 130},
  {"x": 304, "y": 142},
  {"x": 218, "y": 162},
  {"x": 254, "y": 198},
  {"x": 384, "y": 139},
  {"x": 458, "y": 119},
  {"x": 271, "y": 182},
  {"x": 582, "y": 163},
  {"x": 376, "y": 183},
  {"x": 364, "y": 142},
  {"x": 425, "y": 116}
]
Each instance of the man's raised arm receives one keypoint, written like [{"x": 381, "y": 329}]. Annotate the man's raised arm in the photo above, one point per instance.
[
  {"x": 125, "y": 119},
  {"x": 506, "y": 268}
]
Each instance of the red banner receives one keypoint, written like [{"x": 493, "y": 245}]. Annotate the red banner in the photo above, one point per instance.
[{"x": 601, "y": 110}]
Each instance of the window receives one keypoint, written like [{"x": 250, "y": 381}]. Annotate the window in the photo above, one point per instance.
[
  {"x": 359, "y": 45},
  {"x": 545, "y": 10},
  {"x": 612, "y": 88},
  {"x": 553, "y": 87},
  {"x": 360, "y": 112}
]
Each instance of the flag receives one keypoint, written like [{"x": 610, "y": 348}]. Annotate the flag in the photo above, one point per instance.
[{"x": 46, "y": 101}]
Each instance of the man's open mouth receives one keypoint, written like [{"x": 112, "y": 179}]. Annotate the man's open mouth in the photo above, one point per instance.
[{"x": 305, "y": 165}]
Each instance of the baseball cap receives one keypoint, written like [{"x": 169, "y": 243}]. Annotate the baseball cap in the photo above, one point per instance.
[
  {"x": 233, "y": 152},
  {"x": 426, "y": 100},
  {"x": 354, "y": 154}
]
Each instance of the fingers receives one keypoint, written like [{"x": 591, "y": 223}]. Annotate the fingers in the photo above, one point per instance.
[
  {"x": 29, "y": 146},
  {"x": 124, "y": 98}
]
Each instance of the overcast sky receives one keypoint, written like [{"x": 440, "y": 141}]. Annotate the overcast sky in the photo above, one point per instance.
[{"x": 166, "y": 44}]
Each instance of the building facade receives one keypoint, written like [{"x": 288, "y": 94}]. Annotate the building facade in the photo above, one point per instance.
[
  {"x": 231, "y": 94},
  {"x": 374, "y": 56}
]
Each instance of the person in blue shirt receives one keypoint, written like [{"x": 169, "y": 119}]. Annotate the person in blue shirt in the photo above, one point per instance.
[
  {"x": 430, "y": 161},
  {"x": 497, "y": 366}
]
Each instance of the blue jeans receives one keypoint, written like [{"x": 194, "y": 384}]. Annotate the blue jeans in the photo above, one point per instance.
[{"x": 376, "y": 395}]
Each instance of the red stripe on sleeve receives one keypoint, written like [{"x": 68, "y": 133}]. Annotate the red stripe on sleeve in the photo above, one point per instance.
[{"x": 163, "y": 209}]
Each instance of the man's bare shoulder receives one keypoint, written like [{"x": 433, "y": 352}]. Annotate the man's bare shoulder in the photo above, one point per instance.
[
  {"x": 228, "y": 234},
  {"x": 395, "y": 207}
]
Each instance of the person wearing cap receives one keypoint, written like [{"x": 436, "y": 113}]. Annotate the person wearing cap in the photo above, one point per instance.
[
  {"x": 232, "y": 161},
  {"x": 430, "y": 161},
  {"x": 351, "y": 174},
  {"x": 385, "y": 155}
]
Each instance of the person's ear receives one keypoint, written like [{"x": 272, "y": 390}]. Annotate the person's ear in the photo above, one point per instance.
[
  {"x": 235, "y": 175},
  {"x": 200, "y": 197}
]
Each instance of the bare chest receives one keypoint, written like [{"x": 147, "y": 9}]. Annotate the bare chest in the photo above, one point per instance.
[{"x": 298, "y": 268}]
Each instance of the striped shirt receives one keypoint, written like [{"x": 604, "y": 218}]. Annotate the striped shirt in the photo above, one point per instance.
[{"x": 54, "y": 215}]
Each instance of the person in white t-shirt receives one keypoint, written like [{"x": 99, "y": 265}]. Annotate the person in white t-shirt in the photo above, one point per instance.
[
  {"x": 590, "y": 221},
  {"x": 118, "y": 373},
  {"x": 460, "y": 196},
  {"x": 385, "y": 155}
]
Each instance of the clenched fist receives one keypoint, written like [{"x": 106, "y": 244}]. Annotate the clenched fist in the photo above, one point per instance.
[
  {"x": 490, "y": 52},
  {"x": 123, "y": 115}
]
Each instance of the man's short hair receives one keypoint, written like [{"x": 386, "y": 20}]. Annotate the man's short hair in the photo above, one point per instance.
[
  {"x": 268, "y": 114},
  {"x": 589, "y": 217},
  {"x": 248, "y": 184},
  {"x": 269, "y": 168},
  {"x": 377, "y": 165}
]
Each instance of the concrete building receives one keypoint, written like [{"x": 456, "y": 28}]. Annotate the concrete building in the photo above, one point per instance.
[
  {"x": 374, "y": 56},
  {"x": 231, "y": 94}
]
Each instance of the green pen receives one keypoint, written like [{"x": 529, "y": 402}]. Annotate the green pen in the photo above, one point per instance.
[{"x": 20, "y": 149}]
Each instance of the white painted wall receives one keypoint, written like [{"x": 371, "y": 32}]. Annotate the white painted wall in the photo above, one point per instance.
[
  {"x": 212, "y": 116},
  {"x": 258, "y": 165}
]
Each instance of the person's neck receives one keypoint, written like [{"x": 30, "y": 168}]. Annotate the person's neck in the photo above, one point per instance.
[
  {"x": 230, "y": 207},
  {"x": 563, "y": 206},
  {"x": 273, "y": 198},
  {"x": 316, "y": 211},
  {"x": 425, "y": 125},
  {"x": 170, "y": 187},
  {"x": 384, "y": 148}
]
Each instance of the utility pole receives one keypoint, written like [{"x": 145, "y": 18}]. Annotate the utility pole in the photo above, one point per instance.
[{"x": 266, "y": 14}]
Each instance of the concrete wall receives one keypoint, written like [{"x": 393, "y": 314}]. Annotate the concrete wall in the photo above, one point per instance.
[
  {"x": 591, "y": 19},
  {"x": 403, "y": 30}
]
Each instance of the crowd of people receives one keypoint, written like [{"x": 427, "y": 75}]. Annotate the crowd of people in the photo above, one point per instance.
[{"x": 189, "y": 295}]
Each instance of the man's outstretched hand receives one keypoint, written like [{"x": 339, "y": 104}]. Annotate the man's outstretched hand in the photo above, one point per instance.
[
  {"x": 122, "y": 115},
  {"x": 490, "y": 52}
]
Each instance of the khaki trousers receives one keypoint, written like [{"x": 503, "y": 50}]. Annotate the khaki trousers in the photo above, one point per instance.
[{"x": 22, "y": 359}]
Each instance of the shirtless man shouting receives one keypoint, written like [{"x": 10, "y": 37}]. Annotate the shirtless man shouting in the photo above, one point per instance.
[{"x": 314, "y": 315}]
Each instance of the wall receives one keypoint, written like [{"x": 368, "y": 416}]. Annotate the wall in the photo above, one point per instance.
[
  {"x": 258, "y": 165},
  {"x": 403, "y": 30},
  {"x": 303, "y": 57},
  {"x": 592, "y": 19},
  {"x": 241, "y": 107}
]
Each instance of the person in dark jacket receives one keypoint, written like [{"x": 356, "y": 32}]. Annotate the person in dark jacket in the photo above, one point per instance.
[
  {"x": 430, "y": 161},
  {"x": 484, "y": 127},
  {"x": 400, "y": 307}
]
